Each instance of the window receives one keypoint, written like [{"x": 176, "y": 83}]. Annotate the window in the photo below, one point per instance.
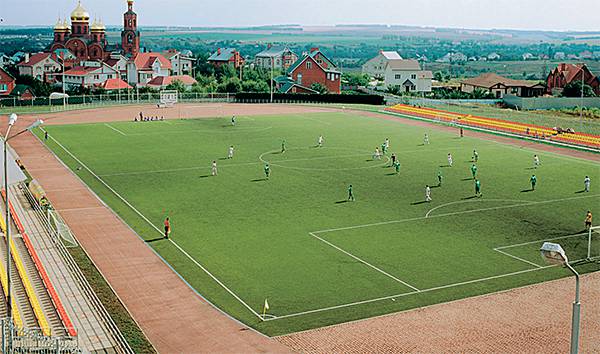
[
  {"x": 299, "y": 79},
  {"x": 398, "y": 76},
  {"x": 309, "y": 65},
  {"x": 413, "y": 87},
  {"x": 96, "y": 77},
  {"x": 3, "y": 87},
  {"x": 413, "y": 76}
]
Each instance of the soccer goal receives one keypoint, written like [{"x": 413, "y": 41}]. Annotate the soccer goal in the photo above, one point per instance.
[
  {"x": 593, "y": 246},
  {"x": 168, "y": 98}
]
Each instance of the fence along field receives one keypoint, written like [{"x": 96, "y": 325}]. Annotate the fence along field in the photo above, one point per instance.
[{"x": 293, "y": 240}]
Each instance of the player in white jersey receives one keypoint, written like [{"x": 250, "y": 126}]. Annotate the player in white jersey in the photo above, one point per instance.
[
  {"x": 214, "y": 168},
  {"x": 427, "y": 193},
  {"x": 450, "y": 159},
  {"x": 536, "y": 161},
  {"x": 426, "y": 139},
  {"x": 586, "y": 183},
  {"x": 320, "y": 141}
]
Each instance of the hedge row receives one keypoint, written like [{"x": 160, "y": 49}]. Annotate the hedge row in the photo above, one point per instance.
[{"x": 309, "y": 98}]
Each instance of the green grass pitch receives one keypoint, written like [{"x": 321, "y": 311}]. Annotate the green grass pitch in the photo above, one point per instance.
[{"x": 239, "y": 239}]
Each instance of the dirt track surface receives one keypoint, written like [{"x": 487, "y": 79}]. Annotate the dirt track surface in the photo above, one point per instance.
[
  {"x": 534, "y": 319},
  {"x": 175, "y": 319}
]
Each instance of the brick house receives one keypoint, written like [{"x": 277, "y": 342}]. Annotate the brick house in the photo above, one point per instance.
[
  {"x": 22, "y": 92},
  {"x": 146, "y": 66},
  {"x": 7, "y": 82},
  {"x": 565, "y": 73},
  {"x": 226, "y": 56},
  {"x": 315, "y": 67}
]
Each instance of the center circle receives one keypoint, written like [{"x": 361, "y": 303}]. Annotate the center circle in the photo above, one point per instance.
[{"x": 358, "y": 155}]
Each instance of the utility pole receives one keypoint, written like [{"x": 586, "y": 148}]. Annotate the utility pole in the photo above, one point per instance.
[
  {"x": 272, "y": 64},
  {"x": 581, "y": 108}
]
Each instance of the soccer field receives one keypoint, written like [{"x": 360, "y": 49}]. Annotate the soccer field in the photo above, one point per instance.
[{"x": 239, "y": 238}]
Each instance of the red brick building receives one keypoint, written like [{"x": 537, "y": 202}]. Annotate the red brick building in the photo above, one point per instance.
[
  {"x": 315, "y": 67},
  {"x": 565, "y": 73},
  {"x": 88, "y": 42},
  {"x": 7, "y": 83},
  {"x": 226, "y": 56}
]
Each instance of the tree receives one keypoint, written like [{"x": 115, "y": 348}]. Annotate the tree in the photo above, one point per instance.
[
  {"x": 356, "y": 79},
  {"x": 177, "y": 85},
  {"x": 573, "y": 89},
  {"x": 320, "y": 88}
]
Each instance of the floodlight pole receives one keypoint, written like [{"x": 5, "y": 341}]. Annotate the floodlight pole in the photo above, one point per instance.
[
  {"x": 581, "y": 108},
  {"x": 576, "y": 313},
  {"x": 7, "y": 234},
  {"x": 272, "y": 64}
]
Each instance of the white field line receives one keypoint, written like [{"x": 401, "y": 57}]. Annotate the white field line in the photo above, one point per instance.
[
  {"x": 247, "y": 130},
  {"x": 538, "y": 241},
  {"x": 115, "y": 129},
  {"x": 454, "y": 213},
  {"x": 518, "y": 258},
  {"x": 471, "y": 201},
  {"x": 365, "y": 262},
  {"x": 157, "y": 229},
  {"x": 410, "y": 293},
  {"x": 227, "y": 165}
]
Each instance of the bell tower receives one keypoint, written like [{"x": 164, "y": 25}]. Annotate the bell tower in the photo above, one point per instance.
[{"x": 130, "y": 36}]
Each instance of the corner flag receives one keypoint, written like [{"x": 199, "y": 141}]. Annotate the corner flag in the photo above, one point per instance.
[{"x": 265, "y": 308}]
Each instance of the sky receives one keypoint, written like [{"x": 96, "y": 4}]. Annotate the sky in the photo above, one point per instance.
[{"x": 560, "y": 15}]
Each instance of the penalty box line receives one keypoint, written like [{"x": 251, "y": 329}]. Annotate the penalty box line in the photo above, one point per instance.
[{"x": 158, "y": 230}]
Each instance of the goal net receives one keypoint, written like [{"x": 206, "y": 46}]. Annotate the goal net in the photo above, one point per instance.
[
  {"x": 168, "y": 98},
  {"x": 60, "y": 227},
  {"x": 582, "y": 246}
]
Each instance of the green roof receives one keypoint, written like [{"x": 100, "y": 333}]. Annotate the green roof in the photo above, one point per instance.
[{"x": 20, "y": 89}]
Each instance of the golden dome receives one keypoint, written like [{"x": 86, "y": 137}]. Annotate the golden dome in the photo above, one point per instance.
[
  {"x": 61, "y": 25},
  {"x": 98, "y": 26},
  {"x": 80, "y": 14}
]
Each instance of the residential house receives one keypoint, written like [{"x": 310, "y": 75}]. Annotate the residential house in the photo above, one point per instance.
[
  {"x": 565, "y": 74},
  {"x": 493, "y": 56},
  {"x": 407, "y": 73},
  {"x": 375, "y": 67},
  {"x": 280, "y": 57},
  {"x": 146, "y": 66},
  {"x": 91, "y": 74},
  {"x": 226, "y": 56},
  {"x": 115, "y": 84},
  {"x": 560, "y": 56},
  {"x": 22, "y": 92},
  {"x": 7, "y": 83},
  {"x": 39, "y": 66},
  {"x": 500, "y": 86},
  {"x": 315, "y": 67},
  {"x": 119, "y": 63},
  {"x": 454, "y": 57},
  {"x": 528, "y": 56},
  {"x": 285, "y": 84},
  {"x": 4, "y": 60},
  {"x": 161, "y": 82},
  {"x": 180, "y": 64}
]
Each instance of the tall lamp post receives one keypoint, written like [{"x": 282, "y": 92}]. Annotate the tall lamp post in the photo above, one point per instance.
[
  {"x": 12, "y": 119},
  {"x": 553, "y": 253}
]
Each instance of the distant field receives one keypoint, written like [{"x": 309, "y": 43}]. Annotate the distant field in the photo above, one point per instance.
[{"x": 295, "y": 240}]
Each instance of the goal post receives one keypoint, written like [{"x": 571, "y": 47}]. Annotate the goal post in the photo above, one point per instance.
[
  {"x": 168, "y": 98},
  {"x": 593, "y": 246}
]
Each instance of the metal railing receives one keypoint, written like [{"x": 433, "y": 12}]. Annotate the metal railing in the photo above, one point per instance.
[
  {"x": 57, "y": 240},
  {"x": 26, "y": 340}
]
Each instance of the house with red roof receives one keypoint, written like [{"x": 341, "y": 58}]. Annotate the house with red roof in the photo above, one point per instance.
[
  {"x": 226, "y": 56},
  {"x": 114, "y": 85},
  {"x": 39, "y": 65},
  {"x": 315, "y": 67},
  {"x": 94, "y": 74},
  {"x": 7, "y": 82},
  {"x": 565, "y": 74},
  {"x": 161, "y": 82},
  {"x": 146, "y": 66},
  {"x": 119, "y": 63},
  {"x": 181, "y": 62}
]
